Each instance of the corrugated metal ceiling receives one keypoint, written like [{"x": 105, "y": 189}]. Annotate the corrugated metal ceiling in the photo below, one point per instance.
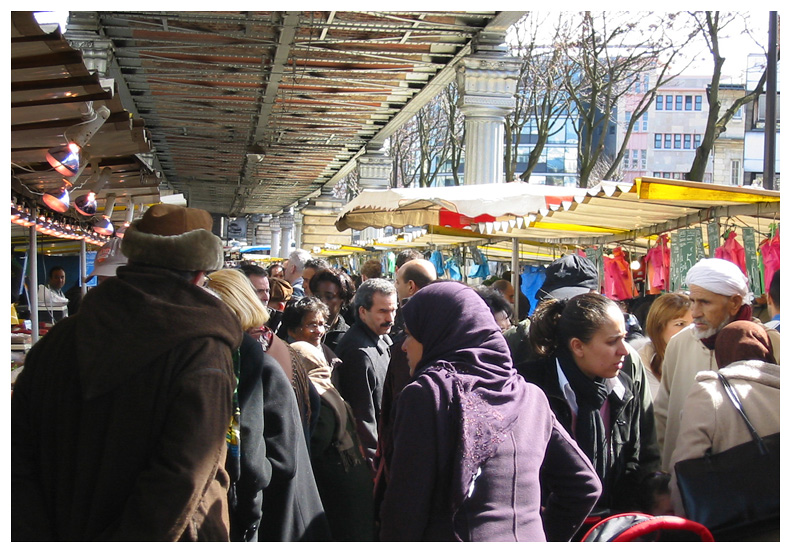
[{"x": 250, "y": 112}]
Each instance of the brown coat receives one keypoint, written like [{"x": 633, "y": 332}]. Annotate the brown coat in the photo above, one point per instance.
[{"x": 120, "y": 415}]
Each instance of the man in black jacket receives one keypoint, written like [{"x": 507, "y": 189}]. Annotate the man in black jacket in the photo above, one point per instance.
[{"x": 365, "y": 354}]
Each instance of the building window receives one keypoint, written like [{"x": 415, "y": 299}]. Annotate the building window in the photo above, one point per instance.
[
  {"x": 676, "y": 141},
  {"x": 657, "y": 141},
  {"x": 634, "y": 159},
  {"x": 679, "y": 102},
  {"x": 668, "y": 102},
  {"x": 657, "y": 175},
  {"x": 679, "y": 176},
  {"x": 627, "y": 116},
  {"x": 645, "y": 81},
  {"x": 698, "y": 103},
  {"x": 687, "y": 103},
  {"x": 668, "y": 141},
  {"x": 659, "y": 102},
  {"x": 645, "y": 121},
  {"x": 736, "y": 172},
  {"x": 739, "y": 113},
  {"x": 696, "y": 143},
  {"x": 637, "y": 86},
  {"x": 643, "y": 159},
  {"x": 687, "y": 141},
  {"x": 626, "y": 159},
  {"x": 665, "y": 175}
]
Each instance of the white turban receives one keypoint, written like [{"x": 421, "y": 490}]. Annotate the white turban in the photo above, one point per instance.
[{"x": 721, "y": 277}]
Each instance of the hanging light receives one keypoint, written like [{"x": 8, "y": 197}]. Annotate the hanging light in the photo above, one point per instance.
[
  {"x": 66, "y": 159},
  {"x": 102, "y": 225},
  {"x": 86, "y": 204},
  {"x": 57, "y": 200}
]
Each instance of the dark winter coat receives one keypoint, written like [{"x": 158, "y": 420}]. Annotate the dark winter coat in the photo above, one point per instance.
[
  {"x": 360, "y": 380},
  {"x": 635, "y": 454},
  {"x": 119, "y": 419},
  {"x": 471, "y": 437},
  {"x": 275, "y": 498}
]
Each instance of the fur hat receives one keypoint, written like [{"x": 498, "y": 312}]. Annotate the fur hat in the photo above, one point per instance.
[{"x": 174, "y": 237}]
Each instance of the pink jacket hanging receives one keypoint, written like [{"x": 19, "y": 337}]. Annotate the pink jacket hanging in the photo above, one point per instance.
[
  {"x": 618, "y": 283},
  {"x": 770, "y": 254},
  {"x": 732, "y": 251},
  {"x": 657, "y": 263}
]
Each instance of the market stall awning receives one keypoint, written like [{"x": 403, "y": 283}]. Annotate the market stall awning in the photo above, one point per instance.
[
  {"x": 612, "y": 212},
  {"x": 455, "y": 206}
]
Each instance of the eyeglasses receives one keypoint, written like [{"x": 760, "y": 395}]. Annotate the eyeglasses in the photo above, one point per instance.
[{"x": 314, "y": 326}]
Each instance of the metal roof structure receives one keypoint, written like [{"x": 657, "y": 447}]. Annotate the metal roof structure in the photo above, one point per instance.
[
  {"x": 52, "y": 90},
  {"x": 250, "y": 112}
]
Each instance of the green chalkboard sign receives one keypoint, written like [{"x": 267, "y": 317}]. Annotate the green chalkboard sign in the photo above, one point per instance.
[
  {"x": 689, "y": 251},
  {"x": 675, "y": 283},
  {"x": 713, "y": 232},
  {"x": 596, "y": 255},
  {"x": 751, "y": 260}
]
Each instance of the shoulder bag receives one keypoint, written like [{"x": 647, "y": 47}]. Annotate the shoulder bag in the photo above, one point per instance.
[{"x": 735, "y": 493}]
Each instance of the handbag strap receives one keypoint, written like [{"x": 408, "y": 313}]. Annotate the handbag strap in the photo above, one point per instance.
[{"x": 738, "y": 404}]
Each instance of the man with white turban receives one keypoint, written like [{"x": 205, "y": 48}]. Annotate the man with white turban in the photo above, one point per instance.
[{"x": 720, "y": 294}]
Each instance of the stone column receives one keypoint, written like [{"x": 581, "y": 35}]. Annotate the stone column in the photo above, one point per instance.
[
  {"x": 375, "y": 168},
  {"x": 487, "y": 81},
  {"x": 274, "y": 229},
  {"x": 287, "y": 232}
]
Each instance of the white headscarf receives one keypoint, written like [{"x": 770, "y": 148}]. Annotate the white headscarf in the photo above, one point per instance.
[{"x": 721, "y": 277}]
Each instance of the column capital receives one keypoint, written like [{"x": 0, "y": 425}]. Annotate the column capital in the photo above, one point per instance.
[{"x": 375, "y": 168}]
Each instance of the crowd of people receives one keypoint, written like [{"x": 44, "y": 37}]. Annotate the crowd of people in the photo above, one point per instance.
[{"x": 186, "y": 401}]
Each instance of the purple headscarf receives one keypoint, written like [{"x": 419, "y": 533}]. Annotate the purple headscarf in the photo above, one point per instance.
[{"x": 465, "y": 354}]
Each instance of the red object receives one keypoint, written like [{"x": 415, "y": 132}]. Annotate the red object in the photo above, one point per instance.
[
  {"x": 626, "y": 527},
  {"x": 770, "y": 254},
  {"x": 457, "y": 220},
  {"x": 618, "y": 282},
  {"x": 732, "y": 251},
  {"x": 657, "y": 264}
]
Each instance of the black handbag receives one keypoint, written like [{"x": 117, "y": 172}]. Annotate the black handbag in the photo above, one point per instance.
[{"x": 735, "y": 493}]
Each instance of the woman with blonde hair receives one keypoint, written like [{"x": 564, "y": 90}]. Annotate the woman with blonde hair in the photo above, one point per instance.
[
  {"x": 273, "y": 494},
  {"x": 669, "y": 314}
]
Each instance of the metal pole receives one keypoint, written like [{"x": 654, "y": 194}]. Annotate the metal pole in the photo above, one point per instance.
[
  {"x": 34, "y": 278},
  {"x": 515, "y": 274},
  {"x": 83, "y": 269},
  {"x": 770, "y": 125}
]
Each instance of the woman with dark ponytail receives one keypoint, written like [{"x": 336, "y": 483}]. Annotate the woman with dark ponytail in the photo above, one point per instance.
[{"x": 584, "y": 367}]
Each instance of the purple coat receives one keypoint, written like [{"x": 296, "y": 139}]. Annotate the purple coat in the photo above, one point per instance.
[{"x": 471, "y": 436}]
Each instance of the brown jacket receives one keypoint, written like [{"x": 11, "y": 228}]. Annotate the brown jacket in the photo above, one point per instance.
[{"x": 120, "y": 415}]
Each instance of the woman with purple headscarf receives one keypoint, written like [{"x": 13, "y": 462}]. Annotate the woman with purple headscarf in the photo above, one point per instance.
[{"x": 471, "y": 436}]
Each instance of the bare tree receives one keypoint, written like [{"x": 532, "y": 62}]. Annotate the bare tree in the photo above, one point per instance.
[
  {"x": 404, "y": 153},
  {"x": 711, "y": 26},
  {"x": 540, "y": 99},
  {"x": 608, "y": 54}
]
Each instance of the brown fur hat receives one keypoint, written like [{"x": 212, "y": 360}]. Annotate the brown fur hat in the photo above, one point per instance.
[{"x": 174, "y": 237}]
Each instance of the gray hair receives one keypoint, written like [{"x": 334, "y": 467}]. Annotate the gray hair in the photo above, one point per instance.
[
  {"x": 365, "y": 293},
  {"x": 298, "y": 258}
]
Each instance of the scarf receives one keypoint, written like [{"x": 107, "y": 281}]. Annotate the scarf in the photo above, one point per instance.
[
  {"x": 320, "y": 374},
  {"x": 745, "y": 313},
  {"x": 466, "y": 357},
  {"x": 590, "y": 431}
]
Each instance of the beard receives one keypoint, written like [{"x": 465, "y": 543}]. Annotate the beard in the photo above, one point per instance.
[{"x": 710, "y": 331}]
